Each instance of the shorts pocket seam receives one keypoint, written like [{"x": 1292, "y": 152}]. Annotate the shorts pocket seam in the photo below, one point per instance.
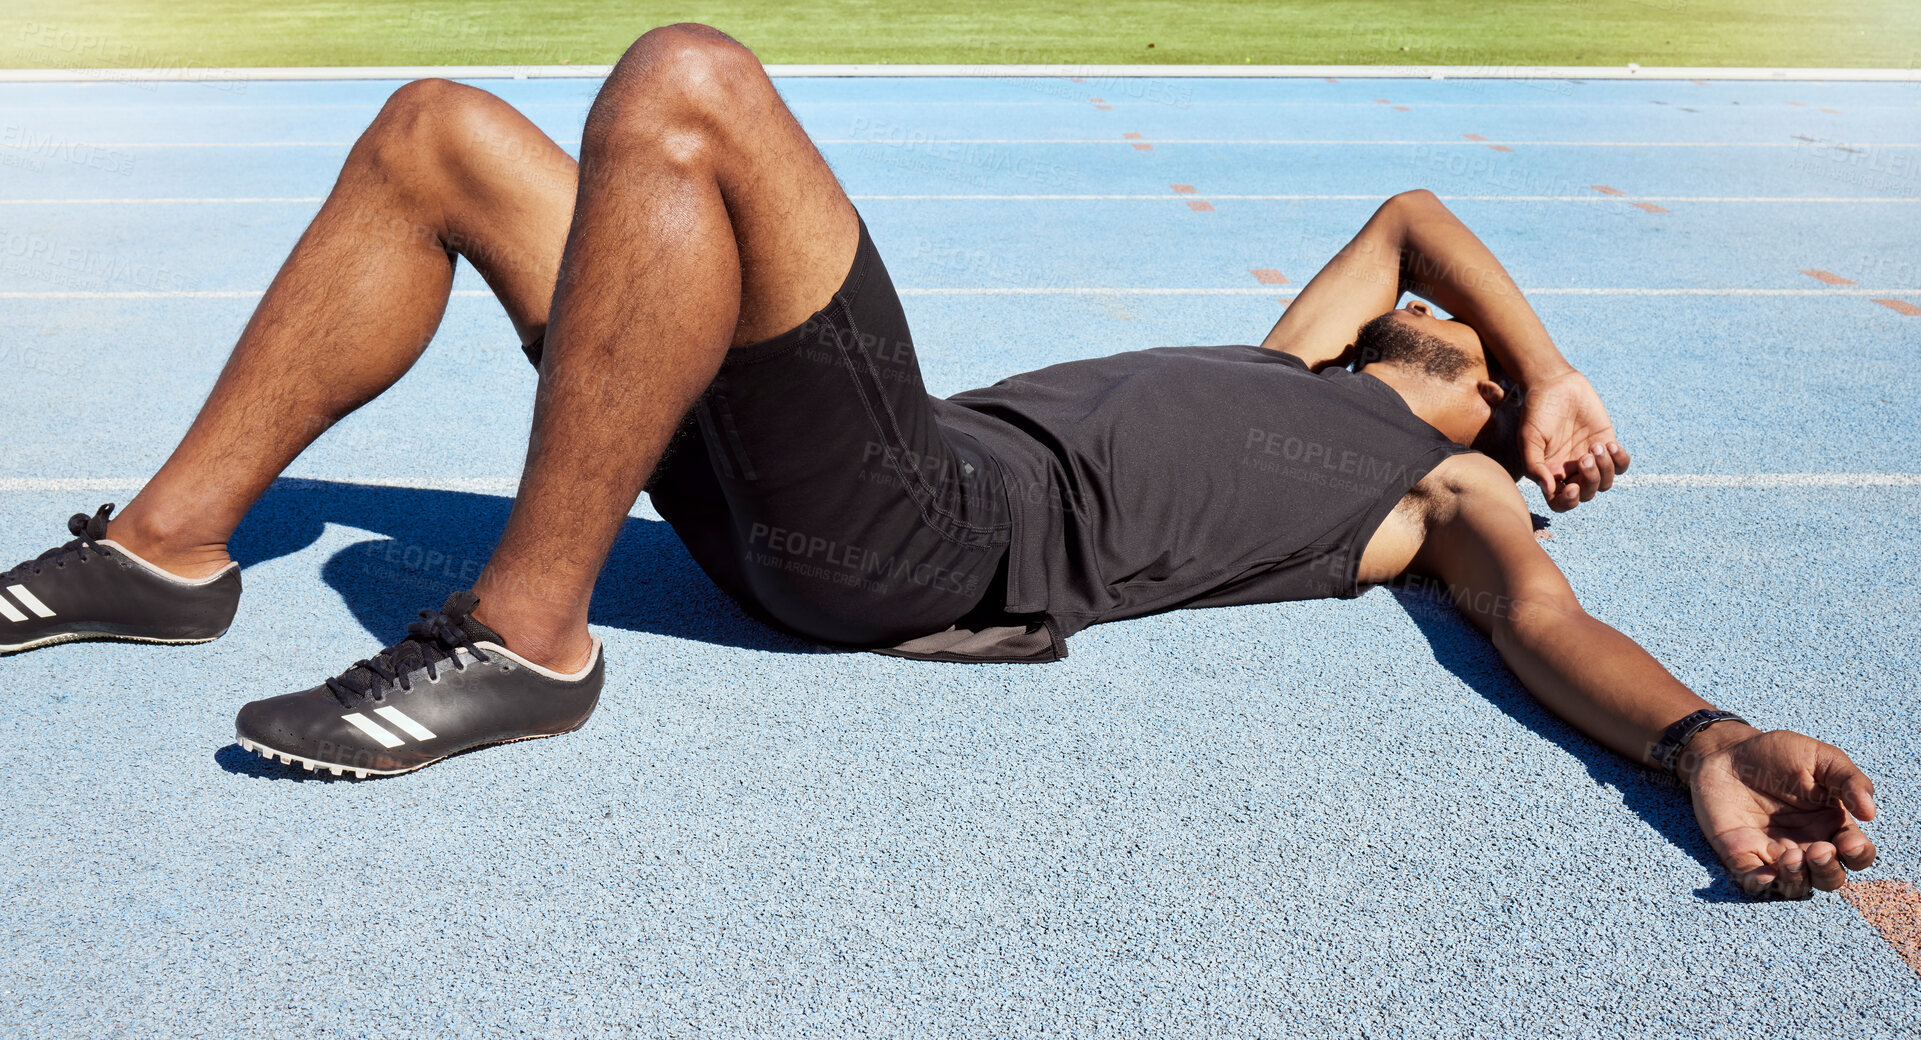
[{"x": 927, "y": 498}]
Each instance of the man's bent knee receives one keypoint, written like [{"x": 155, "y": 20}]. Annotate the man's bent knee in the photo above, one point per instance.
[
  {"x": 435, "y": 126},
  {"x": 675, "y": 79},
  {"x": 688, "y": 61}
]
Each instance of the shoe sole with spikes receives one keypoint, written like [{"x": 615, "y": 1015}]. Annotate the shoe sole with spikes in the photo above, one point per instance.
[
  {"x": 361, "y": 773},
  {"x": 100, "y": 637}
]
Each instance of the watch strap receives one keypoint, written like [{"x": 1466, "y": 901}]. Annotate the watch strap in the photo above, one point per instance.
[{"x": 1675, "y": 738}]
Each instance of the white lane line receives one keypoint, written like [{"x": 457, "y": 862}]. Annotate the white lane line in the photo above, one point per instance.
[
  {"x": 1272, "y": 290},
  {"x": 908, "y": 141},
  {"x": 200, "y": 144},
  {"x": 1069, "y": 98},
  {"x": 1275, "y": 290},
  {"x": 474, "y": 485},
  {"x": 509, "y": 485},
  {"x": 1835, "y": 291},
  {"x": 142, "y": 294},
  {"x": 1211, "y": 196},
  {"x": 198, "y": 74},
  {"x": 163, "y": 201},
  {"x": 1768, "y": 480},
  {"x": 915, "y": 140},
  {"x": 1152, "y": 197},
  {"x": 581, "y": 106}
]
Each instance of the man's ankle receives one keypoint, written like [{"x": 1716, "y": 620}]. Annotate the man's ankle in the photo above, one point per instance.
[
  {"x": 566, "y": 650},
  {"x": 178, "y": 555}
]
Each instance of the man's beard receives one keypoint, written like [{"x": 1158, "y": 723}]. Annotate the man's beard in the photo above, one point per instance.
[{"x": 1389, "y": 340}]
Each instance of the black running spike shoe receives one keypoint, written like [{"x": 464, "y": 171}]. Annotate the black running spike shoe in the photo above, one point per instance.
[
  {"x": 449, "y": 686},
  {"x": 93, "y": 588}
]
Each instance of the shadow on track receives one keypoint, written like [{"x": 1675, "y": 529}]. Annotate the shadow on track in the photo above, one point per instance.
[
  {"x": 1464, "y": 651},
  {"x": 436, "y": 542}
]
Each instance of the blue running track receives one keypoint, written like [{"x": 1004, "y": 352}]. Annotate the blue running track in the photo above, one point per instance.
[{"x": 1314, "y": 820}]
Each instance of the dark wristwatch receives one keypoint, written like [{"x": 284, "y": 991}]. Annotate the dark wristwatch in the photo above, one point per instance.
[{"x": 1667, "y": 751}]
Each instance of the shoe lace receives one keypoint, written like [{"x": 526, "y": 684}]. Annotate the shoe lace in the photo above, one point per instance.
[
  {"x": 85, "y": 529},
  {"x": 436, "y": 637}
]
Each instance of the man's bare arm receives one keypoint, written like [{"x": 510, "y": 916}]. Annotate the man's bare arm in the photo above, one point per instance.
[
  {"x": 1362, "y": 281},
  {"x": 1414, "y": 243},
  {"x": 1443, "y": 261},
  {"x": 1776, "y": 806},
  {"x": 1588, "y": 673}
]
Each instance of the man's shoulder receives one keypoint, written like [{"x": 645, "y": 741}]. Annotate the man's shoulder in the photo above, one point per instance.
[
  {"x": 1471, "y": 472},
  {"x": 1460, "y": 480},
  {"x": 1434, "y": 503}
]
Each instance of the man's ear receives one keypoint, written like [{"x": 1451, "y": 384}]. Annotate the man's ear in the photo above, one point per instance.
[{"x": 1490, "y": 392}]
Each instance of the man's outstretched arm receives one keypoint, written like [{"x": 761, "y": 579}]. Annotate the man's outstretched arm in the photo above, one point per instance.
[
  {"x": 1415, "y": 244},
  {"x": 1778, "y": 807}
]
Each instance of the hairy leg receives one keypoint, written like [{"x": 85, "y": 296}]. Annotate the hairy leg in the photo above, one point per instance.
[
  {"x": 443, "y": 170},
  {"x": 705, "y": 219}
]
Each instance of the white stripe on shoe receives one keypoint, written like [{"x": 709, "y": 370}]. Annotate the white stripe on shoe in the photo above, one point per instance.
[
  {"x": 407, "y": 725},
  {"x": 29, "y": 600},
  {"x": 373, "y": 729},
  {"x": 9, "y": 611}
]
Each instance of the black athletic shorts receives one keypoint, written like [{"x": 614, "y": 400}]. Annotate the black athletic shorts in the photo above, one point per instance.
[{"x": 814, "y": 485}]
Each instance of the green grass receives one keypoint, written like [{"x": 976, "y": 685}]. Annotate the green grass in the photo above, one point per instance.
[{"x": 137, "y": 33}]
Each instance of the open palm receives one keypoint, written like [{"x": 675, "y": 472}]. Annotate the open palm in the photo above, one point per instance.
[
  {"x": 1562, "y": 425},
  {"x": 1780, "y": 810}
]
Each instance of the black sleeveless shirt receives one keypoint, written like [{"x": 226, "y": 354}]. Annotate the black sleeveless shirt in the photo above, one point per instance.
[{"x": 1182, "y": 477}]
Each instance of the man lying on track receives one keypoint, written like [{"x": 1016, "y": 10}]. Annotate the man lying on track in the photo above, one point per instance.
[{"x": 712, "y": 324}]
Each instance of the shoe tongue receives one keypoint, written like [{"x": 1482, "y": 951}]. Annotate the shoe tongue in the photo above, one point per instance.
[
  {"x": 407, "y": 655},
  {"x": 460, "y": 607}
]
